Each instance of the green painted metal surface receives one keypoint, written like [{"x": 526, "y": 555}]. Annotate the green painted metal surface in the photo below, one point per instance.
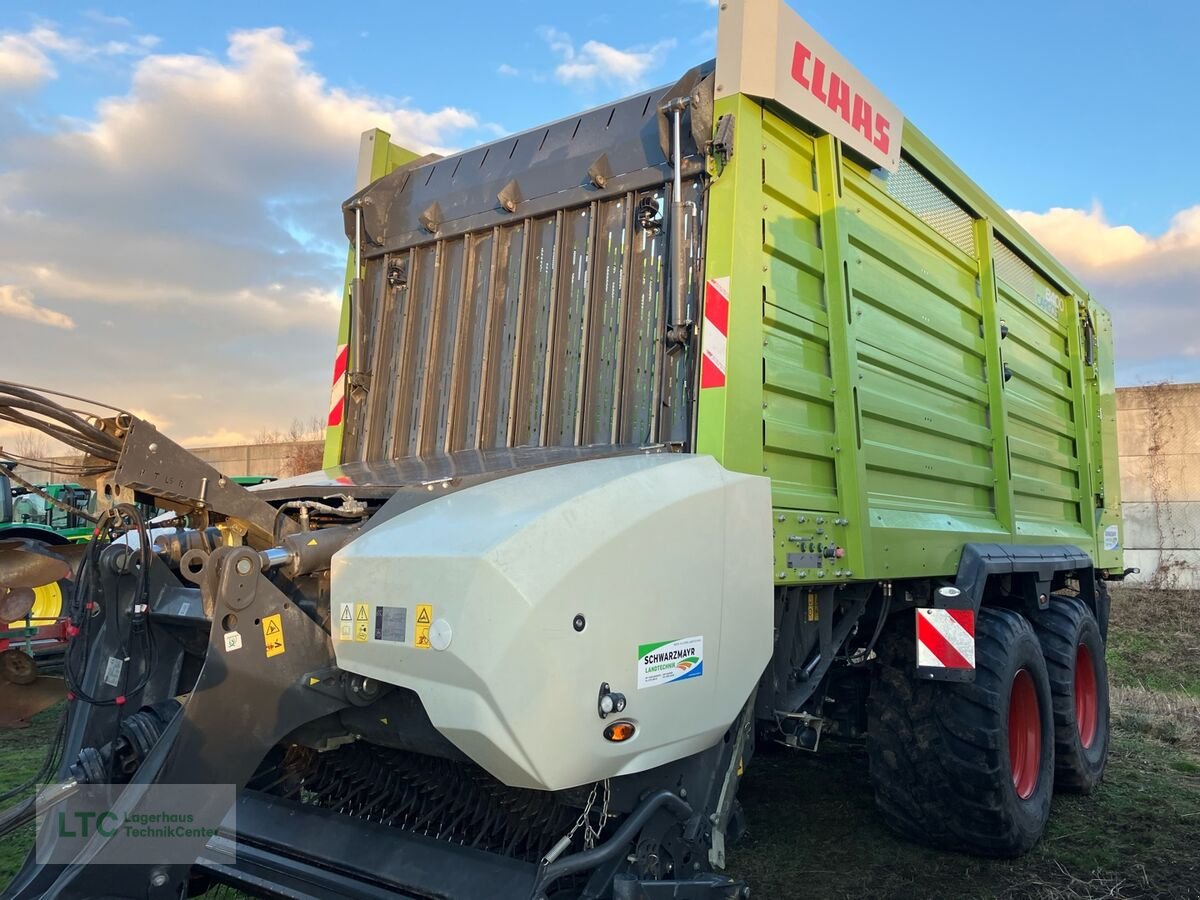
[
  {"x": 904, "y": 361},
  {"x": 909, "y": 367}
]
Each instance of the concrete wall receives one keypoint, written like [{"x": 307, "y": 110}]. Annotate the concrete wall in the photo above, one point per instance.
[
  {"x": 279, "y": 459},
  {"x": 1158, "y": 430},
  {"x": 1158, "y": 433}
]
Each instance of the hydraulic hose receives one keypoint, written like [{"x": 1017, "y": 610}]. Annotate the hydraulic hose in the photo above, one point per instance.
[{"x": 589, "y": 859}]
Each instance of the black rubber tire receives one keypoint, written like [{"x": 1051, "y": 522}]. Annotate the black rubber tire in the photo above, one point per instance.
[
  {"x": 939, "y": 754},
  {"x": 1063, "y": 627},
  {"x": 1103, "y": 608}
]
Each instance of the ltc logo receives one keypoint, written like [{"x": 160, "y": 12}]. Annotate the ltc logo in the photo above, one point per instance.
[{"x": 88, "y": 824}]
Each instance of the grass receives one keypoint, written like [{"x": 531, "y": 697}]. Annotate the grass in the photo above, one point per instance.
[
  {"x": 1154, "y": 641},
  {"x": 813, "y": 832},
  {"x": 21, "y": 753}
]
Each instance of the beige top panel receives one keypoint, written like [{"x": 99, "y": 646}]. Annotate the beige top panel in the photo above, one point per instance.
[{"x": 766, "y": 50}]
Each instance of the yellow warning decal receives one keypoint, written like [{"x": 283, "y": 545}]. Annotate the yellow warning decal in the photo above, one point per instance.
[
  {"x": 421, "y": 626},
  {"x": 312, "y": 543},
  {"x": 361, "y": 623},
  {"x": 272, "y": 627},
  {"x": 312, "y": 681},
  {"x": 813, "y": 609}
]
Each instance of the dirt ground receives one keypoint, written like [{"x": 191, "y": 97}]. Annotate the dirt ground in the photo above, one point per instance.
[{"x": 813, "y": 832}]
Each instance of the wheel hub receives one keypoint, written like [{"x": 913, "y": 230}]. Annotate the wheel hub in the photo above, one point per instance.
[
  {"x": 1024, "y": 734},
  {"x": 1087, "y": 703}
]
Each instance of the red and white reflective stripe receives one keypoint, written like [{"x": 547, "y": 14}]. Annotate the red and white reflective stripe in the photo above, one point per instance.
[
  {"x": 337, "y": 397},
  {"x": 714, "y": 333},
  {"x": 946, "y": 638}
]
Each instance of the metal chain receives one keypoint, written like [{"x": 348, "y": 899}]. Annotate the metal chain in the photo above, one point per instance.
[
  {"x": 590, "y": 834},
  {"x": 583, "y": 820},
  {"x": 83, "y": 514}
]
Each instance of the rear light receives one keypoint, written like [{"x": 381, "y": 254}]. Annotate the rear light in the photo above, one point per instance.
[{"x": 619, "y": 731}]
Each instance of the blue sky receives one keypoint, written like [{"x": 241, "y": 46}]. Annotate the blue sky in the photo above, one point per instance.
[
  {"x": 1043, "y": 103},
  {"x": 1079, "y": 115}
]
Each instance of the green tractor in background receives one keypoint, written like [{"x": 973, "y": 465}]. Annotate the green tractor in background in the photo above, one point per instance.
[
  {"x": 26, "y": 647},
  {"x": 24, "y": 514}
]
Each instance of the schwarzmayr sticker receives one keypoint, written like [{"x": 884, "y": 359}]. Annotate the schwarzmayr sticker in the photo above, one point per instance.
[{"x": 668, "y": 661}]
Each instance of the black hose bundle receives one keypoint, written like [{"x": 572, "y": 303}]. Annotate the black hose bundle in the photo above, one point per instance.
[{"x": 31, "y": 408}]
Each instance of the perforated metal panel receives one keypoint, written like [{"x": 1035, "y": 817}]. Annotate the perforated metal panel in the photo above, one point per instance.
[
  {"x": 1010, "y": 267},
  {"x": 932, "y": 205}
]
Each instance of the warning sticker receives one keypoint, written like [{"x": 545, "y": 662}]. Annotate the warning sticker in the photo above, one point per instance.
[
  {"x": 233, "y": 641},
  {"x": 421, "y": 628},
  {"x": 1112, "y": 538},
  {"x": 272, "y": 627},
  {"x": 346, "y": 615},
  {"x": 347, "y": 631},
  {"x": 362, "y": 624},
  {"x": 664, "y": 662},
  {"x": 391, "y": 623},
  {"x": 112, "y": 672}
]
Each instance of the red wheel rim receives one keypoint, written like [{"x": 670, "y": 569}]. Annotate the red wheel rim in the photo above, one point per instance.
[
  {"x": 1024, "y": 734},
  {"x": 1087, "y": 703}
]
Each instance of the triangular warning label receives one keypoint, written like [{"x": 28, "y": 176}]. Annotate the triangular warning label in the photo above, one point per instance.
[
  {"x": 346, "y": 617},
  {"x": 272, "y": 627},
  {"x": 423, "y": 615},
  {"x": 361, "y": 615}
]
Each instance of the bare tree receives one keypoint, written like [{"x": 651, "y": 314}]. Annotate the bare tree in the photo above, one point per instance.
[
  {"x": 31, "y": 444},
  {"x": 306, "y": 437}
]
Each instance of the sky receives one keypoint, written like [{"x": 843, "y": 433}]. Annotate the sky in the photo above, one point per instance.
[{"x": 171, "y": 174}]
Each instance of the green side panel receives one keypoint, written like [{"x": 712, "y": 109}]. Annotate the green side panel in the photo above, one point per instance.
[
  {"x": 385, "y": 157},
  {"x": 904, "y": 362},
  {"x": 1102, "y": 396},
  {"x": 729, "y": 422}
]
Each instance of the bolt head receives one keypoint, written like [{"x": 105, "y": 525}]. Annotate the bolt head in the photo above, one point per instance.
[
  {"x": 158, "y": 879},
  {"x": 244, "y": 566}
]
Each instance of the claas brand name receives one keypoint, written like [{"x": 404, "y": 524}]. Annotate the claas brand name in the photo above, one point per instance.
[{"x": 812, "y": 74}]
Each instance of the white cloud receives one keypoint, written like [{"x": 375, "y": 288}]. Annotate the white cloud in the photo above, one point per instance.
[
  {"x": 596, "y": 61},
  {"x": 1089, "y": 239},
  {"x": 27, "y": 58},
  {"x": 24, "y": 62},
  {"x": 97, "y": 15},
  {"x": 18, "y": 303},
  {"x": 1150, "y": 283},
  {"x": 506, "y": 69},
  {"x": 197, "y": 218},
  {"x": 221, "y": 437}
]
